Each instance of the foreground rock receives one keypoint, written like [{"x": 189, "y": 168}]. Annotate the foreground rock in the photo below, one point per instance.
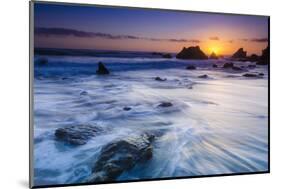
[
  {"x": 264, "y": 59},
  {"x": 165, "y": 104},
  {"x": 167, "y": 55},
  {"x": 102, "y": 70},
  {"x": 190, "y": 67},
  {"x": 240, "y": 54},
  {"x": 191, "y": 53},
  {"x": 160, "y": 79},
  {"x": 77, "y": 135},
  {"x": 213, "y": 56},
  {"x": 121, "y": 155}
]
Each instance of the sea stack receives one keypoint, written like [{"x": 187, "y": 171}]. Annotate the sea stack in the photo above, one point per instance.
[
  {"x": 240, "y": 54},
  {"x": 191, "y": 53},
  {"x": 102, "y": 70},
  {"x": 264, "y": 59},
  {"x": 213, "y": 56}
]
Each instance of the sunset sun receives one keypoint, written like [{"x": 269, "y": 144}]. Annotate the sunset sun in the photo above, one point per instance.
[{"x": 214, "y": 49}]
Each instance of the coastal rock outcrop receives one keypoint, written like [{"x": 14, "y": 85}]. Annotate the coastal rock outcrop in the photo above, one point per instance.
[
  {"x": 264, "y": 59},
  {"x": 191, "y": 53},
  {"x": 213, "y": 56},
  {"x": 240, "y": 54},
  {"x": 167, "y": 55},
  {"x": 102, "y": 70},
  {"x": 77, "y": 135},
  {"x": 121, "y": 155}
]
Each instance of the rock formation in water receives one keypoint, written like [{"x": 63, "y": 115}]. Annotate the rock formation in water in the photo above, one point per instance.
[
  {"x": 228, "y": 65},
  {"x": 165, "y": 104},
  {"x": 213, "y": 56},
  {"x": 102, "y": 70},
  {"x": 167, "y": 55},
  {"x": 264, "y": 59},
  {"x": 77, "y": 135},
  {"x": 240, "y": 54},
  {"x": 190, "y": 67},
  {"x": 191, "y": 53},
  {"x": 160, "y": 79},
  {"x": 120, "y": 156}
]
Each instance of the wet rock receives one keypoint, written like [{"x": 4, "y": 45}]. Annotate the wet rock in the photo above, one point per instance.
[
  {"x": 228, "y": 65},
  {"x": 191, "y": 53},
  {"x": 240, "y": 54},
  {"x": 215, "y": 66},
  {"x": 250, "y": 75},
  {"x": 121, "y": 155},
  {"x": 83, "y": 93},
  {"x": 213, "y": 56},
  {"x": 127, "y": 108},
  {"x": 236, "y": 68},
  {"x": 102, "y": 70},
  {"x": 264, "y": 59},
  {"x": 160, "y": 79},
  {"x": 203, "y": 76},
  {"x": 167, "y": 55},
  {"x": 251, "y": 66},
  {"x": 77, "y": 135},
  {"x": 165, "y": 104},
  {"x": 261, "y": 74},
  {"x": 190, "y": 67}
]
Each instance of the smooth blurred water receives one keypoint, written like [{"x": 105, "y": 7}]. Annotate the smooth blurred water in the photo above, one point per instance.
[{"x": 216, "y": 125}]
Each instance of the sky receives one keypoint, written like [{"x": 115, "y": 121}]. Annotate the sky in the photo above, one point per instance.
[{"x": 151, "y": 30}]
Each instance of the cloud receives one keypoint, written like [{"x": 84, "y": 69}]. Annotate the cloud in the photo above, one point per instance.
[
  {"x": 214, "y": 38},
  {"x": 47, "y": 32},
  {"x": 258, "y": 40}
]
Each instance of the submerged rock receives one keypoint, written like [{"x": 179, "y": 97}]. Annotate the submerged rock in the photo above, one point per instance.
[
  {"x": 215, "y": 66},
  {"x": 240, "y": 54},
  {"x": 236, "y": 68},
  {"x": 165, "y": 104},
  {"x": 203, "y": 76},
  {"x": 250, "y": 75},
  {"x": 127, "y": 108},
  {"x": 190, "y": 67},
  {"x": 102, "y": 70},
  {"x": 191, "y": 53},
  {"x": 228, "y": 65},
  {"x": 77, "y": 135},
  {"x": 121, "y": 155},
  {"x": 167, "y": 55},
  {"x": 160, "y": 79},
  {"x": 251, "y": 66}
]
